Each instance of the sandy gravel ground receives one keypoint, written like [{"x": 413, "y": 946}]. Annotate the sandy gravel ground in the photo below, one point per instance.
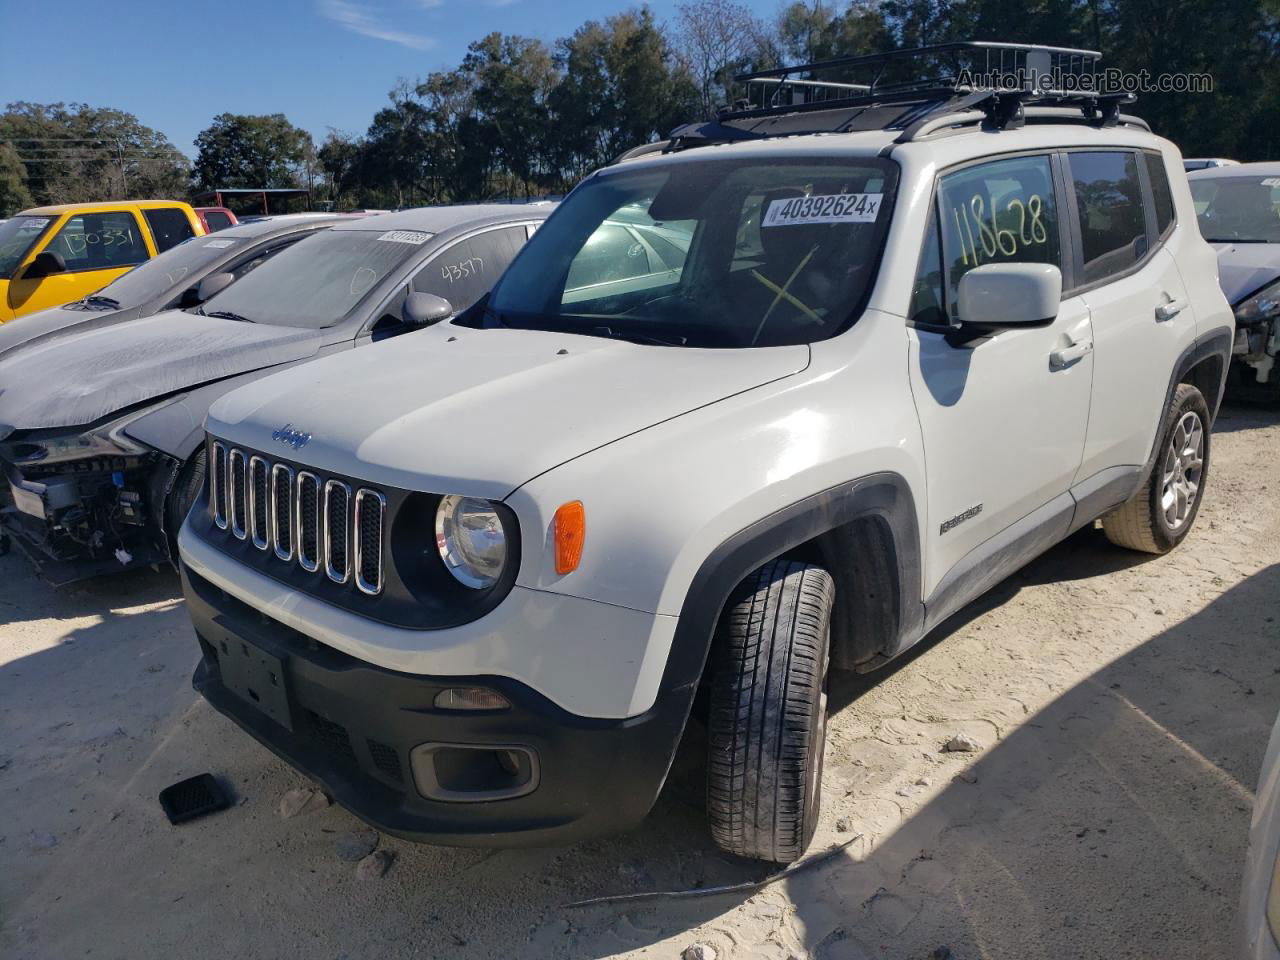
[{"x": 1122, "y": 703}]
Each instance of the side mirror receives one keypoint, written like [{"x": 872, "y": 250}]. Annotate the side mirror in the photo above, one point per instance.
[
  {"x": 424, "y": 309},
  {"x": 46, "y": 263},
  {"x": 213, "y": 284},
  {"x": 1010, "y": 295}
]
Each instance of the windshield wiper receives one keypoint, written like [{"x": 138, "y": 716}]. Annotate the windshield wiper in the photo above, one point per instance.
[
  {"x": 99, "y": 300},
  {"x": 635, "y": 337},
  {"x": 1239, "y": 240},
  {"x": 225, "y": 315},
  {"x": 594, "y": 330}
]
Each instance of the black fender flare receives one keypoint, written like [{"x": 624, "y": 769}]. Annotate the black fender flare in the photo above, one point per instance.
[
  {"x": 886, "y": 496},
  {"x": 1216, "y": 343}
]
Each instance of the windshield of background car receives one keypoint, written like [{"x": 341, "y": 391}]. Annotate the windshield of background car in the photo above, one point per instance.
[
  {"x": 716, "y": 253},
  {"x": 1238, "y": 209},
  {"x": 16, "y": 238},
  {"x": 318, "y": 281},
  {"x": 168, "y": 270}
]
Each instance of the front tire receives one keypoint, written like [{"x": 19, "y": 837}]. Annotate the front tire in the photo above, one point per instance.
[
  {"x": 1160, "y": 515},
  {"x": 767, "y": 725}
]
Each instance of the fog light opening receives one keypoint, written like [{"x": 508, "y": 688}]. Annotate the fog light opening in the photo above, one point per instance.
[{"x": 468, "y": 773}]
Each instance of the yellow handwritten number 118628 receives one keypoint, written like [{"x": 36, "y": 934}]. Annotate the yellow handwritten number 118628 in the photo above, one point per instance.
[{"x": 990, "y": 239}]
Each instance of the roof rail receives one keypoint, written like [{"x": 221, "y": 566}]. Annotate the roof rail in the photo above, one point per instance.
[{"x": 921, "y": 92}]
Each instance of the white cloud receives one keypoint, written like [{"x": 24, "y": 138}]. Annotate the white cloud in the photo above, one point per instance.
[{"x": 358, "y": 19}]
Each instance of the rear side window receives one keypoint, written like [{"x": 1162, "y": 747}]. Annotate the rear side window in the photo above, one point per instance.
[
  {"x": 216, "y": 220},
  {"x": 999, "y": 212},
  {"x": 1160, "y": 192},
  {"x": 169, "y": 227},
  {"x": 1113, "y": 225},
  {"x": 100, "y": 241},
  {"x": 465, "y": 272}
]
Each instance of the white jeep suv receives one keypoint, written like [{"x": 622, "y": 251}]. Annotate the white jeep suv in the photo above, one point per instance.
[{"x": 784, "y": 391}]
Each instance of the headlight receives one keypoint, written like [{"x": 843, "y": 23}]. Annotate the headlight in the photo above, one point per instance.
[
  {"x": 471, "y": 540},
  {"x": 1263, "y": 305}
]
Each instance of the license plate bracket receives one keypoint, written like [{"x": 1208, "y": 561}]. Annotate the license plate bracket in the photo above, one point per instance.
[{"x": 256, "y": 677}]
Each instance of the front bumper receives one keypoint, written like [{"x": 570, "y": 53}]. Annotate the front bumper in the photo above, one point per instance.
[
  {"x": 351, "y": 725},
  {"x": 87, "y": 519}
]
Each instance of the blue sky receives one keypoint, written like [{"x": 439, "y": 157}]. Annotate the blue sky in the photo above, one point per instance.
[{"x": 322, "y": 63}]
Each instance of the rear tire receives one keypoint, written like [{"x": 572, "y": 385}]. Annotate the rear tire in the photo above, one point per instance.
[
  {"x": 1160, "y": 515},
  {"x": 767, "y": 725},
  {"x": 184, "y": 493}
]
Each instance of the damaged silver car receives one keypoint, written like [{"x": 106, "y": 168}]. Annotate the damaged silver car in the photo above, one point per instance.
[
  {"x": 1238, "y": 208},
  {"x": 101, "y": 432}
]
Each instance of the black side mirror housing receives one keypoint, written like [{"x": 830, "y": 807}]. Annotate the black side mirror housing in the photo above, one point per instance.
[
  {"x": 425, "y": 309},
  {"x": 45, "y": 264}
]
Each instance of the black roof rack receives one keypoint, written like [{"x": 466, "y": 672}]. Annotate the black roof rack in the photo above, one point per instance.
[{"x": 921, "y": 92}]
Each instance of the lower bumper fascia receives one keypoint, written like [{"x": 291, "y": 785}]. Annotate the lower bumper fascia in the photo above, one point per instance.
[{"x": 352, "y": 726}]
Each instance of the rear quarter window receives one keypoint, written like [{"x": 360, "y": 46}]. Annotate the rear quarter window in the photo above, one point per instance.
[
  {"x": 1161, "y": 192},
  {"x": 169, "y": 227},
  {"x": 1113, "y": 225}
]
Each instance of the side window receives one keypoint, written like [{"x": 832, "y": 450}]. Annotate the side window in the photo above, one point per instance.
[
  {"x": 1160, "y": 192},
  {"x": 1113, "y": 225},
  {"x": 217, "y": 220},
  {"x": 999, "y": 212},
  {"x": 926, "y": 293},
  {"x": 466, "y": 271},
  {"x": 169, "y": 227},
  {"x": 100, "y": 241}
]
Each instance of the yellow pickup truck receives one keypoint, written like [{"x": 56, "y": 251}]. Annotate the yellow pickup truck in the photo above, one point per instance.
[{"x": 54, "y": 255}]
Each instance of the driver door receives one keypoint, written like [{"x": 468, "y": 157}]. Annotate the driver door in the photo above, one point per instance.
[{"x": 1003, "y": 424}]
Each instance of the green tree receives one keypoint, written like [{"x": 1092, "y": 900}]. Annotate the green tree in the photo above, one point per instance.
[
  {"x": 75, "y": 152},
  {"x": 240, "y": 150},
  {"x": 13, "y": 188}
]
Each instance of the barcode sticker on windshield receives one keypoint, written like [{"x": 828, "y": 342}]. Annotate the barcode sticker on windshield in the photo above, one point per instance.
[
  {"x": 34, "y": 221},
  {"x": 1271, "y": 182},
  {"x": 220, "y": 244},
  {"x": 828, "y": 208},
  {"x": 416, "y": 237}
]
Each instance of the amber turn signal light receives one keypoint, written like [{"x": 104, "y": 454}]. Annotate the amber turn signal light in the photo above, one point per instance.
[{"x": 570, "y": 530}]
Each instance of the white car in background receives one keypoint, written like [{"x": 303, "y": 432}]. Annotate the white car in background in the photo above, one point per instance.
[
  {"x": 1239, "y": 212},
  {"x": 1260, "y": 900},
  {"x": 1206, "y": 163}
]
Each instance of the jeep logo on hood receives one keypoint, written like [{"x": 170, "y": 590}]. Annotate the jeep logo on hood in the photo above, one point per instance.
[{"x": 294, "y": 438}]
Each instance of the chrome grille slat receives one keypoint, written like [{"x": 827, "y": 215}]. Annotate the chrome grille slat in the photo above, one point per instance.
[
  {"x": 337, "y": 527},
  {"x": 294, "y": 515},
  {"x": 371, "y": 507},
  {"x": 282, "y": 525},
  {"x": 259, "y": 508},
  {"x": 218, "y": 484},
  {"x": 307, "y": 522},
  {"x": 239, "y": 513}
]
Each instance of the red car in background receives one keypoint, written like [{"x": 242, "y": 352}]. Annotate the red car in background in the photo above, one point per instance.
[{"x": 216, "y": 218}]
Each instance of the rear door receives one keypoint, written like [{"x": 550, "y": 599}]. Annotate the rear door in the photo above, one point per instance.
[
  {"x": 1122, "y": 212},
  {"x": 1003, "y": 425}
]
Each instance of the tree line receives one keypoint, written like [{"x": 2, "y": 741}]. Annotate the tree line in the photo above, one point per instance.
[{"x": 520, "y": 117}]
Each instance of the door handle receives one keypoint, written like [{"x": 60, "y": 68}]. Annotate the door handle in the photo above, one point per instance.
[
  {"x": 1068, "y": 356},
  {"x": 1167, "y": 311}
]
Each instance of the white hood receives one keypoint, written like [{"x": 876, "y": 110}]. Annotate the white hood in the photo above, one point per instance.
[{"x": 480, "y": 412}]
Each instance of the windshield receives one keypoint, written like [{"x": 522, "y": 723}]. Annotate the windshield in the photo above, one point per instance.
[
  {"x": 16, "y": 238},
  {"x": 1238, "y": 209},
  {"x": 163, "y": 273},
  {"x": 318, "y": 281},
  {"x": 717, "y": 253}
]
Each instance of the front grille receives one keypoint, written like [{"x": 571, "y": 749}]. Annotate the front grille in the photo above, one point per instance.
[
  {"x": 259, "y": 508},
  {"x": 300, "y": 517}
]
